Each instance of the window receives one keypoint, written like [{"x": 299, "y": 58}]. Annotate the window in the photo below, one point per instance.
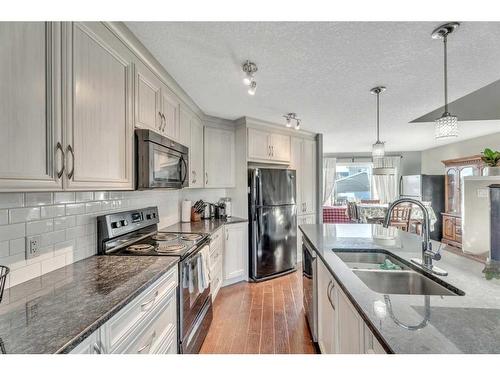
[{"x": 353, "y": 182}]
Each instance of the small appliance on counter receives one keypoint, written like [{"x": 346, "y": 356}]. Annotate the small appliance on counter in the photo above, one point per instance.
[
  {"x": 492, "y": 269},
  {"x": 135, "y": 233},
  {"x": 186, "y": 211},
  {"x": 227, "y": 205},
  {"x": 220, "y": 211}
]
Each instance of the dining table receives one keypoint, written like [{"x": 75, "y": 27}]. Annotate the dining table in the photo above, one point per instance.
[{"x": 375, "y": 212}]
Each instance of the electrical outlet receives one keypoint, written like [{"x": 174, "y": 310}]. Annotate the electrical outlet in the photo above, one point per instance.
[{"x": 32, "y": 246}]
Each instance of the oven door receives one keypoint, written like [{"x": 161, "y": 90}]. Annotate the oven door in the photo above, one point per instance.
[{"x": 192, "y": 294}]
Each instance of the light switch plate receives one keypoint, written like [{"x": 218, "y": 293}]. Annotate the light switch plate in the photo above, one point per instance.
[{"x": 33, "y": 244}]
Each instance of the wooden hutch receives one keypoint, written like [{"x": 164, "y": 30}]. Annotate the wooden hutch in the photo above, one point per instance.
[{"x": 456, "y": 170}]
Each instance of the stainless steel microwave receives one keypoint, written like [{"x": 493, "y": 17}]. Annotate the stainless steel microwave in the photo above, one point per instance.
[{"x": 160, "y": 162}]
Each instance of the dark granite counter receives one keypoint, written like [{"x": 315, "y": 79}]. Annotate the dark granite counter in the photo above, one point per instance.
[
  {"x": 203, "y": 226},
  {"x": 449, "y": 324},
  {"x": 55, "y": 312}
]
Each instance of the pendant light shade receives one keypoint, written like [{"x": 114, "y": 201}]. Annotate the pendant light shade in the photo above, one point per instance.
[
  {"x": 378, "y": 148},
  {"x": 447, "y": 125}
]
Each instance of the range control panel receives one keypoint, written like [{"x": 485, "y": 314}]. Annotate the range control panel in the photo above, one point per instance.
[{"x": 120, "y": 223}]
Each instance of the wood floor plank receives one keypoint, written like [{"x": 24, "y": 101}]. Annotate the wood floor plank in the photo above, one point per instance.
[{"x": 265, "y": 317}]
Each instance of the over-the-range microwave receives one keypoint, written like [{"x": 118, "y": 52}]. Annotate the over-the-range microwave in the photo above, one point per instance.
[{"x": 160, "y": 162}]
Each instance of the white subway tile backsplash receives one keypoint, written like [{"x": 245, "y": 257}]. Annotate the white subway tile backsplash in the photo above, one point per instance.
[
  {"x": 52, "y": 211},
  {"x": 64, "y": 197},
  {"x": 10, "y": 200},
  {"x": 17, "y": 246},
  {"x": 92, "y": 207},
  {"x": 4, "y": 217},
  {"x": 38, "y": 199},
  {"x": 75, "y": 209},
  {"x": 66, "y": 224},
  {"x": 10, "y": 232},
  {"x": 84, "y": 196},
  {"x": 4, "y": 249},
  {"x": 19, "y": 215},
  {"x": 38, "y": 227}
]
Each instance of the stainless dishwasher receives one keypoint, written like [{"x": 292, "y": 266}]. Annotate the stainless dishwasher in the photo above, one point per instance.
[{"x": 310, "y": 288}]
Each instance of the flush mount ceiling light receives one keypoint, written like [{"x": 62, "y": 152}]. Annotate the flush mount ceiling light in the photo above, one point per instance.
[
  {"x": 447, "y": 124},
  {"x": 290, "y": 117},
  {"x": 250, "y": 68},
  {"x": 378, "y": 148}
]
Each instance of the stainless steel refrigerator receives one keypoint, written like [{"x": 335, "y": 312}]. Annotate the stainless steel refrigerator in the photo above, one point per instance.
[
  {"x": 272, "y": 221},
  {"x": 427, "y": 188}
]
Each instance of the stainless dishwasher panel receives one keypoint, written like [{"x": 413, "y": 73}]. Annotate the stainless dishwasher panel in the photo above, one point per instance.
[{"x": 310, "y": 288}]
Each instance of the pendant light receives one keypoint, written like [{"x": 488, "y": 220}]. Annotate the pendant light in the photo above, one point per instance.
[
  {"x": 447, "y": 124},
  {"x": 378, "y": 148}
]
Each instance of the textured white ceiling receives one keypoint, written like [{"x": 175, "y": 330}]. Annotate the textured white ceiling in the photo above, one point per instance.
[{"x": 324, "y": 71}]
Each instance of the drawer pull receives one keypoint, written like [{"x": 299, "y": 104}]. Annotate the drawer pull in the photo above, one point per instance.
[
  {"x": 147, "y": 305},
  {"x": 98, "y": 349},
  {"x": 148, "y": 345},
  {"x": 328, "y": 291}
]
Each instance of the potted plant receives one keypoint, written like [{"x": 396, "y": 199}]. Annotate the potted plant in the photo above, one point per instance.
[{"x": 491, "y": 159}]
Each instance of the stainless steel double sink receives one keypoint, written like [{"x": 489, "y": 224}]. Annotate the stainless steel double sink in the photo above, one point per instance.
[{"x": 403, "y": 279}]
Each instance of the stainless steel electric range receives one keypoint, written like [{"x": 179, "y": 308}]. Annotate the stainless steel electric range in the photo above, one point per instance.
[{"x": 135, "y": 232}]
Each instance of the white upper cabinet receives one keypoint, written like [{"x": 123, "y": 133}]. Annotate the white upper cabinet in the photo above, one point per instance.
[
  {"x": 219, "y": 158},
  {"x": 196, "y": 153},
  {"x": 171, "y": 114},
  {"x": 98, "y": 107},
  {"x": 267, "y": 147},
  {"x": 303, "y": 160},
  {"x": 31, "y": 153},
  {"x": 147, "y": 99}
]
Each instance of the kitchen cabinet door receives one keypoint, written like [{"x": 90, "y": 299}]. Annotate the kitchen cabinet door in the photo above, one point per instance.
[
  {"x": 219, "y": 157},
  {"x": 235, "y": 253},
  {"x": 280, "y": 147},
  {"x": 91, "y": 345},
  {"x": 147, "y": 99},
  {"x": 259, "y": 147},
  {"x": 97, "y": 72},
  {"x": 350, "y": 327},
  {"x": 196, "y": 153},
  {"x": 31, "y": 154},
  {"x": 372, "y": 345},
  {"x": 327, "y": 314},
  {"x": 296, "y": 164},
  {"x": 171, "y": 114},
  {"x": 302, "y": 219},
  {"x": 309, "y": 176}
]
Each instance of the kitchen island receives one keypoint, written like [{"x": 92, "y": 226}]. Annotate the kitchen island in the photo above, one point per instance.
[{"x": 467, "y": 322}]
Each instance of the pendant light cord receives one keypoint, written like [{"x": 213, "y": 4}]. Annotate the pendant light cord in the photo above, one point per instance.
[
  {"x": 378, "y": 117},
  {"x": 445, "y": 39}
]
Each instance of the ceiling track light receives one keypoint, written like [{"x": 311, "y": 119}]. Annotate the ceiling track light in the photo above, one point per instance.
[
  {"x": 290, "y": 117},
  {"x": 252, "y": 88},
  {"x": 378, "y": 148},
  {"x": 250, "y": 68},
  {"x": 447, "y": 124}
]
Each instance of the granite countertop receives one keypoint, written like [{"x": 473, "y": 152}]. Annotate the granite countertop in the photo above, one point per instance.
[
  {"x": 451, "y": 324},
  {"x": 203, "y": 226},
  {"x": 55, "y": 312}
]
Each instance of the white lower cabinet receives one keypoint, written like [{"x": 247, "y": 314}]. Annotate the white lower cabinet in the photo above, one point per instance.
[
  {"x": 147, "y": 325},
  {"x": 301, "y": 220},
  {"x": 235, "y": 253},
  {"x": 340, "y": 328},
  {"x": 216, "y": 261}
]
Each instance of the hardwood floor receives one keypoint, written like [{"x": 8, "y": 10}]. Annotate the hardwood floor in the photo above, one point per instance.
[{"x": 265, "y": 318}]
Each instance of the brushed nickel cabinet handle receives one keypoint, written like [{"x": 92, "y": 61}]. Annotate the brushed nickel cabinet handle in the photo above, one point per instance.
[
  {"x": 164, "y": 122},
  {"x": 328, "y": 293},
  {"x": 98, "y": 349},
  {"x": 206, "y": 178},
  {"x": 147, "y": 305},
  {"x": 60, "y": 148},
  {"x": 161, "y": 121},
  {"x": 72, "y": 172},
  {"x": 148, "y": 345}
]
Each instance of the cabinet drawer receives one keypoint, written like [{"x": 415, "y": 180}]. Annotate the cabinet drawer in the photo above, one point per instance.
[
  {"x": 169, "y": 345},
  {"x": 215, "y": 280},
  {"x": 215, "y": 257},
  {"x": 134, "y": 314},
  {"x": 161, "y": 325}
]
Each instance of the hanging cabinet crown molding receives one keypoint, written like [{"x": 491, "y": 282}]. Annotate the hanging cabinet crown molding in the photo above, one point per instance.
[
  {"x": 97, "y": 108},
  {"x": 31, "y": 155}
]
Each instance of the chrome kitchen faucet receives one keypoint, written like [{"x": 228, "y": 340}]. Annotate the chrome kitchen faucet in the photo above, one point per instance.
[{"x": 427, "y": 254}]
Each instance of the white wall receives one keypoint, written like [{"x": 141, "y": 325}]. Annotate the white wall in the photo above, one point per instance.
[{"x": 431, "y": 158}]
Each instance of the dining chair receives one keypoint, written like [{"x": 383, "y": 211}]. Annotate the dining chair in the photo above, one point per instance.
[
  {"x": 352, "y": 211},
  {"x": 400, "y": 217}
]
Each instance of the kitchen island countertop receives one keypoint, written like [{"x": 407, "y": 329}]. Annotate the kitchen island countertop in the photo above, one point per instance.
[{"x": 449, "y": 324}]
